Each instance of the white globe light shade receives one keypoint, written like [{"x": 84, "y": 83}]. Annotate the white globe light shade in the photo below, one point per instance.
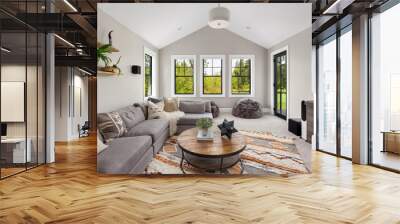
[{"x": 219, "y": 18}]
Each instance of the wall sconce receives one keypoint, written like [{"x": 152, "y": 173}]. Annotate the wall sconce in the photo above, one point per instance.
[{"x": 135, "y": 69}]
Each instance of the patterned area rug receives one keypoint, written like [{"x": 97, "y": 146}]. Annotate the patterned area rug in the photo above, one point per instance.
[{"x": 265, "y": 155}]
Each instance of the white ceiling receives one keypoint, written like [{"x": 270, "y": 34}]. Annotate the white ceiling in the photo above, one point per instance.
[{"x": 162, "y": 24}]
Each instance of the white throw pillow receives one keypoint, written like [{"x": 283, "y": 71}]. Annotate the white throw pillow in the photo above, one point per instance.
[{"x": 154, "y": 109}]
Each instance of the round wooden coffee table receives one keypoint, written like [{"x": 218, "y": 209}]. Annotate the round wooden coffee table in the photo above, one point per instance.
[{"x": 219, "y": 154}]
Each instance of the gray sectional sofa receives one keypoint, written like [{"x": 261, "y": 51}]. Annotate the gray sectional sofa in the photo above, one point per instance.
[
  {"x": 143, "y": 138},
  {"x": 130, "y": 153},
  {"x": 193, "y": 110}
]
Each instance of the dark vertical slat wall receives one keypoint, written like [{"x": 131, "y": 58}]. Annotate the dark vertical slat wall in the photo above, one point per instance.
[{"x": 92, "y": 99}]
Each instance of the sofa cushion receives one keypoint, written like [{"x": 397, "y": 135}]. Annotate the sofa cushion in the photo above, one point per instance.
[
  {"x": 131, "y": 116},
  {"x": 171, "y": 104},
  {"x": 190, "y": 119},
  {"x": 110, "y": 125},
  {"x": 123, "y": 154},
  {"x": 207, "y": 105},
  {"x": 143, "y": 107},
  {"x": 192, "y": 107},
  {"x": 153, "y": 128}
]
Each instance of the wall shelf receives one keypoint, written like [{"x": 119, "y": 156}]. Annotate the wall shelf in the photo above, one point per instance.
[{"x": 100, "y": 72}]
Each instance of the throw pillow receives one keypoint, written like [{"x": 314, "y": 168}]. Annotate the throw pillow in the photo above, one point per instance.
[
  {"x": 111, "y": 125},
  {"x": 154, "y": 100},
  {"x": 192, "y": 107},
  {"x": 171, "y": 104},
  {"x": 154, "y": 109},
  {"x": 207, "y": 105}
]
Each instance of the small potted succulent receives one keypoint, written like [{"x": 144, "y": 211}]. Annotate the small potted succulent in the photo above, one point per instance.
[{"x": 203, "y": 124}]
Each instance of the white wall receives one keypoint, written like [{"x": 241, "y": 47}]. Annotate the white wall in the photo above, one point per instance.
[
  {"x": 208, "y": 41},
  {"x": 114, "y": 92},
  {"x": 62, "y": 81},
  {"x": 299, "y": 73},
  {"x": 68, "y": 81}
]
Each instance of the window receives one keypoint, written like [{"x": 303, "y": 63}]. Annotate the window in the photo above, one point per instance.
[
  {"x": 241, "y": 78},
  {"x": 327, "y": 128},
  {"x": 346, "y": 74},
  {"x": 150, "y": 79},
  {"x": 212, "y": 81},
  {"x": 184, "y": 75},
  {"x": 334, "y": 94},
  {"x": 148, "y": 74},
  {"x": 385, "y": 89}
]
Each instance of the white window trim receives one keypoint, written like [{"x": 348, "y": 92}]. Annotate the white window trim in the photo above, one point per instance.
[
  {"x": 173, "y": 58},
  {"x": 252, "y": 76},
  {"x": 154, "y": 80},
  {"x": 286, "y": 48},
  {"x": 223, "y": 70}
]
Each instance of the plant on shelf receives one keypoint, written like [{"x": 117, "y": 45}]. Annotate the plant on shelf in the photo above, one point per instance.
[
  {"x": 204, "y": 124},
  {"x": 116, "y": 68},
  {"x": 103, "y": 55}
]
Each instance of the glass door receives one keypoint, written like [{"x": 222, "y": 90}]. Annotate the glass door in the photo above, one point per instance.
[
  {"x": 280, "y": 85},
  {"x": 327, "y": 93},
  {"x": 334, "y": 94},
  {"x": 22, "y": 93},
  {"x": 385, "y": 90},
  {"x": 15, "y": 147},
  {"x": 346, "y": 93}
]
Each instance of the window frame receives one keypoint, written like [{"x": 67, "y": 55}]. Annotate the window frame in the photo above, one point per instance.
[
  {"x": 223, "y": 75},
  {"x": 272, "y": 78},
  {"x": 252, "y": 75},
  {"x": 173, "y": 77},
  {"x": 151, "y": 74},
  {"x": 154, "y": 78}
]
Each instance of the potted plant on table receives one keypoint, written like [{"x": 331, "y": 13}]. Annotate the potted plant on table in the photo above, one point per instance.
[{"x": 204, "y": 124}]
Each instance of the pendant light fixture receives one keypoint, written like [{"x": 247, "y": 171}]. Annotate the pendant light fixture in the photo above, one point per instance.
[{"x": 219, "y": 17}]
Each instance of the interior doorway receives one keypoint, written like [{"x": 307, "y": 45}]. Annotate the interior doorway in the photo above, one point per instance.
[{"x": 280, "y": 84}]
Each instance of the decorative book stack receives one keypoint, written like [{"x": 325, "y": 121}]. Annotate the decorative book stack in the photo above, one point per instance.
[{"x": 209, "y": 136}]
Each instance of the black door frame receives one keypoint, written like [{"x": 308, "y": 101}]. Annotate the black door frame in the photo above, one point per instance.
[
  {"x": 334, "y": 37},
  {"x": 276, "y": 113}
]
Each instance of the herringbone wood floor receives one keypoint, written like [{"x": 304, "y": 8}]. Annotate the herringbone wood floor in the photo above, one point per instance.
[{"x": 70, "y": 191}]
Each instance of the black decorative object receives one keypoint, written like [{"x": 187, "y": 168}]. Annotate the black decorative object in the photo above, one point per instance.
[
  {"x": 110, "y": 38},
  {"x": 294, "y": 126},
  {"x": 135, "y": 69},
  {"x": 227, "y": 128}
]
